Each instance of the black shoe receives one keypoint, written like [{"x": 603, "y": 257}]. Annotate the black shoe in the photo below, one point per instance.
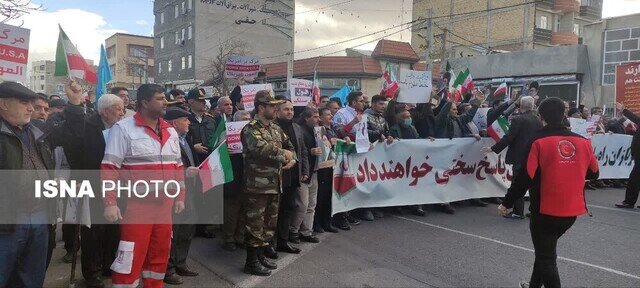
[
  {"x": 377, "y": 213},
  {"x": 270, "y": 253},
  {"x": 513, "y": 216},
  {"x": 342, "y": 224},
  {"x": 446, "y": 208},
  {"x": 589, "y": 186},
  {"x": 252, "y": 265},
  {"x": 264, "y": 261},
  {"x": 330, "y": 229},
  {"x": 528, "y": 215},
  {"x": 173, "y": 279},
  {"x": 309, "y": 239},
  {"x": 418, "y": 212},
  {"x": 366, "y": 215},
  {"x": 478, "y": 203},
  {"x": 229, "y": 246},
  {"x": 318, "y": 229},
  {"x": 68, "y": 258},
  {"x": 352, "y": 220},
  {"x": 283, "y": 246},
  {"x": 94, "y": 282},
  {"x": 186, "y": 272},
  {"x": 624, "y": 205},
  {"x": 294, "y": 238}
]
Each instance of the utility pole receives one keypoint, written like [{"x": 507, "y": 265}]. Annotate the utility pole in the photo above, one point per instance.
[
  {"x": 429, "y": 39},
  {"x": 443, "y": 53}
]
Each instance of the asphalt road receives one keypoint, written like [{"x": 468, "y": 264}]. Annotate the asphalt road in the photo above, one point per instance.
[{"x": 473, "y": 248}]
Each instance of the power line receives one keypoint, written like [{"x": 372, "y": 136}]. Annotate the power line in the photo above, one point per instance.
[{"x": 482, "y": 11}]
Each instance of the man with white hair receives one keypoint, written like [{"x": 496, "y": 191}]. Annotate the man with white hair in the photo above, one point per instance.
[
  {"x": 517, "y": 139},
  {"x": 83, "y": 139}
]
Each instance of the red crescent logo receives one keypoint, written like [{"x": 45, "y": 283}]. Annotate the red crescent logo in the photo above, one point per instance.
[{"x": 566, "y": 149}]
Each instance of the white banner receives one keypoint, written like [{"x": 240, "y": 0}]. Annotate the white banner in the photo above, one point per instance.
[
  {"x": 409, "y": 172},
  {"x": 249, "y": 94},
  {"x": 234, "y": 129},
  {"x": 584, "y": 127},
  {"x": 14, "y": 44},
  {"x": 300, "y": 91},
  {"x": 480, "y": 119},
  {"x": 327, "y": 158},
  {"x": 362, "y": 135},
  {"x": 614, "y": 155},
  {"x": 242, "y": 66},
  {"x": 415, "y": 86}
]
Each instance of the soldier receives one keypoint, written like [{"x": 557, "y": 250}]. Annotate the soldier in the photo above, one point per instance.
[{"x": 267, "y": 150}]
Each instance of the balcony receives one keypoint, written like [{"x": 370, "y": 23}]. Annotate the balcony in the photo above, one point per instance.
[
  {"x": 567, "y": 6},
  {"x": 542, "y": 35},
  {"x": 591, "y": 11},
  {"x": 545, "y": 4},
  {"x": 563, "y": 38}
]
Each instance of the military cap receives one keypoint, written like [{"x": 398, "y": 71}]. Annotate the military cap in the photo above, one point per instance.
[
  {"x": 9, "y": 89},
  {"x": 57, "y": 103},
  {"x": 197, "y": 93},
  {"x": 266, "y": 98}
]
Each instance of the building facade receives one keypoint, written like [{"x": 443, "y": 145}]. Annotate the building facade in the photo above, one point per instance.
[
  {"x": 464, "y": 28},
  {"x": 192, "y": 37},
  {"x": 130, "y": 60},
  {"x": 42, "y": 79}
]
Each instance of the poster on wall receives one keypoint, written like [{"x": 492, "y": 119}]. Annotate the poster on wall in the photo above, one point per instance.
[{"x": 628, "y": 86}]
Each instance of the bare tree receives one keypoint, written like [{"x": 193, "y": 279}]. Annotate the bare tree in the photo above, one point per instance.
[
  {"x": 15, "y": 9},
  {"x": 216, "y": 65},
  {"x": 144, "y": 69}
]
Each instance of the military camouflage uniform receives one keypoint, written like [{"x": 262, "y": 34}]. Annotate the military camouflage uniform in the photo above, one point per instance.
[{"x": 263, "y": 150}]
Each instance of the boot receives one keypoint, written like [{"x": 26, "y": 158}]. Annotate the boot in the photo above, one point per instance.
[
  {"x": 269, "y": 252},
  {"x": 264, "y": 261},
  {"x": 283, "y": 246},
  {"x": 252, "y": 265}
]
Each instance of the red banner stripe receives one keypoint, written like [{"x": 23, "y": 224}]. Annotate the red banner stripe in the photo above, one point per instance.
[{"x": 13, "y": 54}]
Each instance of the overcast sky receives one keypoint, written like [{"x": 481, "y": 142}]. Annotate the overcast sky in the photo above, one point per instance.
[{"x": 89, "y": 23}]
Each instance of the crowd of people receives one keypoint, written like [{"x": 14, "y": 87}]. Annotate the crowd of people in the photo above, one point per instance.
[{"x": 279, "y": 196}]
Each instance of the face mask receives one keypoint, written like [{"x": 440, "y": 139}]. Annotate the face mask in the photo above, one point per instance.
[{"x": 407, "y": 122}]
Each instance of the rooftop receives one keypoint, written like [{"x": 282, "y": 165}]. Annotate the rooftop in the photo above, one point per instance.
[
  {"x": 395, "y": 50},
  {"x": 336, "y": 66}
]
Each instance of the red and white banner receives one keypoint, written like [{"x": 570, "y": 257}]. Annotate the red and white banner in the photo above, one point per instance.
[
  {"x": 14, "y": 53},
  {"x": 301, "y": 91},
  {"x": 628, "y": 86},
  {"x": 249, "y": 94},
  {"x": 234, "y": 130},
  {"x": 242, "y": 66}
]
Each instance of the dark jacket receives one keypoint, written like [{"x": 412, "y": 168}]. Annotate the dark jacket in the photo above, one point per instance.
[
  {"x": 401, "y": 131},
  {"x": 310, "y": 142},
  {"x": 494, "y": 113},
  {"x": 11, "y": 149},
  {"x": 193, "y": 187},
  {"x": 518, "y": 137},
  {"x": 376, "y": 125},
  {"x": 288, "y": 179},
  {"x": 424, "y": 120},
  {"x": 201, "y": 132},
  {"x": 445, "y": 123},
  {"x": 558, "y": 161},
  {"x": 635, "y": 143},
  {"x": 236, "y": 97}
]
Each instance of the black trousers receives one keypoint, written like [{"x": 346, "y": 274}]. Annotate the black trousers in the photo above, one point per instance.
[
  {"x": 322, "y": 218},
  {"x": 99, "y": 245},
  {"x": 69, "y": 232},
  {"x": 180, "y": 244},
  {"x": 286, "y": 211},
  {"x": 633, "y": 188},
  {"x": 545, "y": 232},
  {"x": 518, "y": 205}
]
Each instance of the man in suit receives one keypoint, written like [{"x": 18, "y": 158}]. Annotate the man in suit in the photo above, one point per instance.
[
  {"x": 183, "y": 223},
  {"x": 517, "y": 139}
]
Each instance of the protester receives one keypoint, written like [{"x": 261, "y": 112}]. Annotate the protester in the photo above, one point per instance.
[
  {"x": 334, "y": 105},
  {"x": 290, "y": 210},
  {"x": 266, "y": 150},
  {"x": 557, "y": 163},
  {"x": 23, "y": 245},
  {"x": 518, "y": 136},
  {"x": 41, "y": 108},
  {"x": 322, "y": 217},
  {"x": 176, "y": 97},
  {"x": 183, "y": 227},
  {"x": 123, "y": 93},
  {"x": 404, "y": 129},
  {"x": 324, "y": 99},
  {"x": 131, "y": 149},
  {"x": 633, "y": 188},
  {"x": 347, "y": 117},
  {"x": 308, "y": 196},
  {"x": 424, "y": 120},
  {"x": 233, "y": 192}
]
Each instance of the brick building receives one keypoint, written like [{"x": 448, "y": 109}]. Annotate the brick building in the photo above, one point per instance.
[{"x": 130, "y": 60}]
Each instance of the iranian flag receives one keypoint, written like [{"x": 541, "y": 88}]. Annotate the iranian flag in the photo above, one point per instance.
[
  {"x": 461, "y": 84},
  {"x": 216, "y": 169},
  {"x": 502, "y": 90},
  {"x": 498, "y": 128},
  {"x": 390, "y": 85},
  {"x": 316, "y": 90},
  {"x": 70, "y": 63},
  {"x": 467, "y": 84}
]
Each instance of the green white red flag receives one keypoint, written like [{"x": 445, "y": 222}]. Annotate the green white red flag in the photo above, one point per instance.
[
  {"x": 498, "y": 128},
  {"x": 70, "y": 63}
]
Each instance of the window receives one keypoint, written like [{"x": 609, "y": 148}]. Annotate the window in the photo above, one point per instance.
[
  {"x": 184, "y": 7},
  {"x": 189, "y": 32},
  {"x": 112, "y": 68},
  {"x": 177, "y": 38},
  {"x": 162, "y": 42},
  {"x": 42, "y": 87},
  {"x": 162, "y": 17},
  {"x": 189, "y": 61},
  {"x": 183, "y": 33},
  {"x": 136, "y": 70},
  {"x": 184, "y": 63},
  {"x": 111, "y": 51},
  {"x": 576, "y": 28},
  {"x": 543, "y": 22},
  {"x": 189, "y": 3},
  {"x": 41, "y": 77},
  {"x": 139, "y": 51},
  {"x": 41, "y": 67},
  {"x": 159, "y": 67},
  {"x": 177, "y": 11},
  {"x": 169, "y": 66}
]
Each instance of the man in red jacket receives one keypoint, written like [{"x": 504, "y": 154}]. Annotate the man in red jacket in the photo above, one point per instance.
[
  {"x": 143, "y": 148},
  {"x": 554, "y": 173}
]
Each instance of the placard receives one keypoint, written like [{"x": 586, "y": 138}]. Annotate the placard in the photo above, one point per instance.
[
  {"x": 415, "y": 86},
  {"x": 242, "y": 66},
  {"x": 14, "y": 53},
  {"x": 249, "y": 94},
  {"x": 301, "y": 91},
  {"x": 234, "y": 131}
]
